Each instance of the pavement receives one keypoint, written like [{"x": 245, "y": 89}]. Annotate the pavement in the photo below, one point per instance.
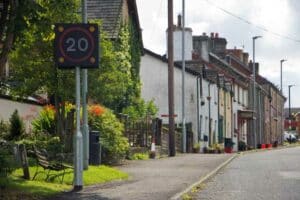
[{"x": 157, "y": 179}]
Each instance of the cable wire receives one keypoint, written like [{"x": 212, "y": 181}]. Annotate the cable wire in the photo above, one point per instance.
[{"x": 253, "y": 24}]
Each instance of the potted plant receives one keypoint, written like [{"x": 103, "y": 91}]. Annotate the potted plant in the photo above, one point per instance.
[
  {"x": 228, "y": 145},
  {"x": 218, "y": 148},
  {"x": 205, "y": 150},
  {"x": 196, "y": 147},
  {"x": 242, "y": 146}
]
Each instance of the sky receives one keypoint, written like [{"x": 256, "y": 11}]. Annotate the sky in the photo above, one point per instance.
[{"x": 277, "y": 21}]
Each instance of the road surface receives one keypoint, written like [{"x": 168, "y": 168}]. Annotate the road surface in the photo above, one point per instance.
[{"x": 257, "y": 176}]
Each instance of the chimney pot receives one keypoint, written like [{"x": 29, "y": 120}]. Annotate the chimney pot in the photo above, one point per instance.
[
  {"x": 212, "y": 35},
  {"x": 204, "y": 34},
  {"x": 179, "y": 21},
  {"x": 217, "y": 35}
]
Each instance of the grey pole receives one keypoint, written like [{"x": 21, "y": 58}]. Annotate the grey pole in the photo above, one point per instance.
[
  {"x": 85, "y": 126},
  {"x": 254, "y": 89},
  {"x": 281, "y": 61},
  {"x": 183, "y": 79},
  {"x": 78, "y": 168}
]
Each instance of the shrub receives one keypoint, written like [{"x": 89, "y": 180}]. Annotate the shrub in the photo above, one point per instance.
[
  {"x": 141, "y": 109},
  {"x": 114, "y": 144},
  {"x": 7, "y": 160},
  {"x": 139, "y": 156},
  {"x": 16, "y": 128},
  {"x": 4, "y": 128},
  {"x": 45, "y": 121},
  {"x": 242, "y": 146}
]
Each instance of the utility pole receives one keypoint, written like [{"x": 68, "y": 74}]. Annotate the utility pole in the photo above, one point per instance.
[
  {"x": 183, "y": 79},
  {"x": 85, "y": 126},
  {"x": 172, "y": 151}
]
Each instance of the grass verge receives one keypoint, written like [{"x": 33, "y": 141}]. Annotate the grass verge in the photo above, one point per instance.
[{"x": 17, "y": 188}]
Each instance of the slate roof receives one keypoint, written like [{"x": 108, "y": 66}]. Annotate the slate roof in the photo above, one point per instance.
[{"x": 109, "y": 11}]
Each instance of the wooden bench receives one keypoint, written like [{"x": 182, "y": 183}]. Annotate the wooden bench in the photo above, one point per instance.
[{"x": 48, "y": 166}]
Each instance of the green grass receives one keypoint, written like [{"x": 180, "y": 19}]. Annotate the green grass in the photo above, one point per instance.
[
  {"x": 140, "y": 156},
  {"x": 39, "y": 187}
]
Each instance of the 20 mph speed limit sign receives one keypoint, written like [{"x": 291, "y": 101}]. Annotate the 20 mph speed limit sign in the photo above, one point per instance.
[{"x": 76, "y": 45}]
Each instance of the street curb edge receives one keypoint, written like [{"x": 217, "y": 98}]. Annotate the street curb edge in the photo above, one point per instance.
[{"x": 203, "y": 179}]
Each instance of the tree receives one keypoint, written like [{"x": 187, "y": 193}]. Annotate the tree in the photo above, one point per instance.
[
  {"x": 14, "y": 16},
  {"x": 117, "y": 84},
  {"x": 33, "y": 69},
  {"x": 110, "y": 84},
  {"x": 16, "y": 128}
]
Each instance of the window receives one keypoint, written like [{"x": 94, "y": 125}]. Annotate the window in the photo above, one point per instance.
[
  {"x": 206, "y": 126},
  {"x": 201, "y": 123},
  {"x": 234, "y": 121},
  {"x": 240, "y": 95},
  {"x": 235, "y": 92},
  {"x": 243, "y": 96},
  {"x": 246, "y": 97}
]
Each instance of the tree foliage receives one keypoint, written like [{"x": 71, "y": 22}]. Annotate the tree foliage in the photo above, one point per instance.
[
  {"x": 110, "y": 84},
  {"x": 14, "y": 18},
  {"x": 16, "y": 128},
  {"x": 32, "y": 61}
]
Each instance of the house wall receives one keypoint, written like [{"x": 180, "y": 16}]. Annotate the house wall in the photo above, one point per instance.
[
  {"x": 240, "y": 102},
  {"x": 280, "y": 106},
  {"x": 209, "y": 112},
  {"x": 228, "y": 114},
  {"x": 225, "y": 111},
  {"x": 267, "y": 127},
  {"x": 26, "y": 111},
  {"x": 222, "y": 111},
  {"x": 273, "y": 116},
  {"x": 154, "y": 78}
]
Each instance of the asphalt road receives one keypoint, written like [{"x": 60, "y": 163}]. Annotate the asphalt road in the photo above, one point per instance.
[{"x": 257, "y": 176}]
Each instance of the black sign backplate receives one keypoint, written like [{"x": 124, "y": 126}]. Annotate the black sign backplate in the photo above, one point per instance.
[{"x": 76, "y": 45}]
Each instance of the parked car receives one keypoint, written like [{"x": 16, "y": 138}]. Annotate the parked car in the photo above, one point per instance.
[{"x": 289, "y": 137}]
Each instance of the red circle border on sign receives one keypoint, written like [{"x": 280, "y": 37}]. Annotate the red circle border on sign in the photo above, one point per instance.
[{"x": 89, "y": 37}]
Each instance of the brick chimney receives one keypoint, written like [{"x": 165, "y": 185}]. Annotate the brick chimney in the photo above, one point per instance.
[
  {"x": 256, "y": 67},
  {"x": 201, "y": 46},
  {"x": 179, "y": 20},
  {"x": 245, "y": 58},
  {"x": 219, "y": 45}
]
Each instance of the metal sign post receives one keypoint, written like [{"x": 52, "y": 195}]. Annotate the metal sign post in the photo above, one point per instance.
[
  {"x": 77, "y": 45},
  {"x": 78, "y": 154},
  {"x": 85, "y": 126}
]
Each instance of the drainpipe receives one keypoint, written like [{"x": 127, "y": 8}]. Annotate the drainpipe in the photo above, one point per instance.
[
  {"x": 225, "y": 114},
  {"x": 201, "y": 97},
  {"x": 231, "y": 112},
  {"x": 198, "y": 111},
  {"x": 209, "y": 114},
  {"x": 218, "y": 113}
]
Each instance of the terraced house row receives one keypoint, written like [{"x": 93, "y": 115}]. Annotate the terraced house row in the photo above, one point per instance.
[
  {"x": 218, "y": 83},
  {"x": 218, "y": 93}
]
